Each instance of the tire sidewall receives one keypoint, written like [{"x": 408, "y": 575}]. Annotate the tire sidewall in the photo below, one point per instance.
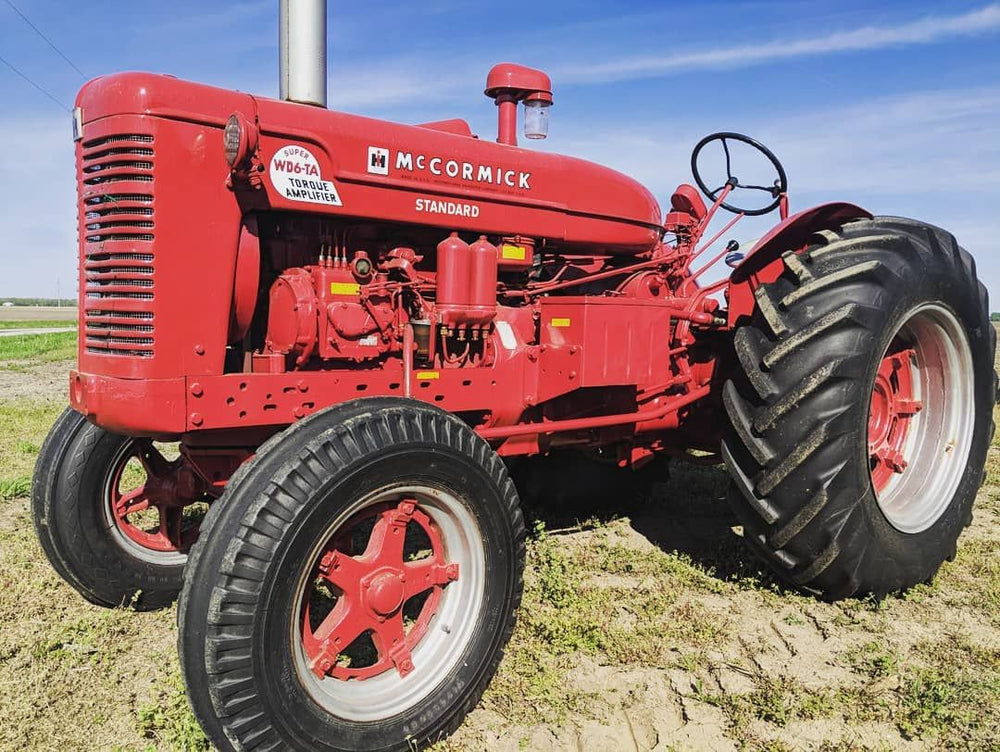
[{"x": 85, "y": 531}]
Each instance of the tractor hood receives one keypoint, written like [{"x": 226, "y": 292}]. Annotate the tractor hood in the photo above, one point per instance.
[{"x": 318, "y": 160}]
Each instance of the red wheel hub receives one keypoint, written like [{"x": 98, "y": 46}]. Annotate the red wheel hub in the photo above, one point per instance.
[
  {"x": 384, "y": 593},
  {"x": 893, "y": 405},
  {"x": 372, "y": 591},
  {"x": 167, "y": 488}
]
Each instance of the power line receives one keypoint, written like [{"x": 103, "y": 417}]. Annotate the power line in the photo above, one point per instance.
[
  {"x": 43, "y": 91},
  {"x": 47, "y": 40}
]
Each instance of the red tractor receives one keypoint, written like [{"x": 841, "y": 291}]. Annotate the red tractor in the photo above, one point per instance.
[{"x": 351, "y": 326}]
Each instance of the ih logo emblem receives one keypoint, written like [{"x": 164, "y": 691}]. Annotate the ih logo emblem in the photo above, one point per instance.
[{"x": 378, "y": 160}]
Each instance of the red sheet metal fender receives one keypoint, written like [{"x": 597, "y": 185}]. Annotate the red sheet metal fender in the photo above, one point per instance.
[{"x": 763, "y": 263}]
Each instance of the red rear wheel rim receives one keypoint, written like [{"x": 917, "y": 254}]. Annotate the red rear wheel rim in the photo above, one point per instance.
[
  {"x": 893, "y": 406},
  {"x": 921, "y": 419}
]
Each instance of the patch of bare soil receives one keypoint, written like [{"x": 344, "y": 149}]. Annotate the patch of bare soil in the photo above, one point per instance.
[
  {"x": 781, "y": 670},
  {"x": 45, "y": 383}
]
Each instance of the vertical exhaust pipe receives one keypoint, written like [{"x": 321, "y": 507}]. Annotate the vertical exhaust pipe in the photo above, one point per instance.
[{"x": 302, "y": 51}]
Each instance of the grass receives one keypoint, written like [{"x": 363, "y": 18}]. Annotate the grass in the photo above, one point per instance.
[
  {"x": 21, "y": 351},
  {"x": 166, "y": 718},
  {"x": 13, "y": 488},
  {"x": 37, "y": 324},
  {"x": 23, "y": 425}
]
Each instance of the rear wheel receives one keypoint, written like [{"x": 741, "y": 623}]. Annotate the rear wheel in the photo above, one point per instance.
[
  {"x": 114, "y": 515},
  {"x": 862, "y": 413},
  {"x": 358, "y": 584}
]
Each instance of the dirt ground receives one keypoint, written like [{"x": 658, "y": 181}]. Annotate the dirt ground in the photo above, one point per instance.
[{"x": 647, "y": 625}]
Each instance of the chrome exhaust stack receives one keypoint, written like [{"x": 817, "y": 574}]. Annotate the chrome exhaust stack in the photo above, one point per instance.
[{"x": 302, "y": 51}]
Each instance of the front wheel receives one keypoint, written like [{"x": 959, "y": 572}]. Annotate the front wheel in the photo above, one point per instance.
[
  {"x": 114, "y": 516},
  {"x": 861, "y": 412},
  {"x": 358, "y": 584}
]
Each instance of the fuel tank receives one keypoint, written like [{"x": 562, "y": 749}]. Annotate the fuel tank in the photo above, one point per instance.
[{"x": 322, "y": 161}]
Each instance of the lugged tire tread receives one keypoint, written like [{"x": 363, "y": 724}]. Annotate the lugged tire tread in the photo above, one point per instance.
[
  {"x": 795, "y": 266},
  {"x": 768, "y": 417},
  {"x": 807, "y": 350},
  {"x": 802, "y": 337},
  {"x": 742, "y": 421},
  {"x": 770, "y": 312},
  {"x": 791, "y": 462},
  {"x": 829, "y": 280}
]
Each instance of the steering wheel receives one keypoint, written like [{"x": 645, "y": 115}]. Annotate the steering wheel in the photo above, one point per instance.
[{"x": 779, "y": 187}]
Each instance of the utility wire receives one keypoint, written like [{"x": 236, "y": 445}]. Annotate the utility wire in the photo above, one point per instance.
[
  {"x": 47, "y": 40},
  {"x": 43, "y": 91}
]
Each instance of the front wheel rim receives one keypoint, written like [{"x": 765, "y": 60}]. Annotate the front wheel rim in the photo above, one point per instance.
[
  {"x": 371, "y": 593},
  {"x": 168, "y": 490},
  {"x": 921, "y": 418}
]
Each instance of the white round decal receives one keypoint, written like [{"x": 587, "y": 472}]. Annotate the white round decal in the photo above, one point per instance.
[{"x": 295, "y": 174}]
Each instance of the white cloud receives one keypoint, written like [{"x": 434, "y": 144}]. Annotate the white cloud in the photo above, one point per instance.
[
  {"x": 930, "y": 155},
  {"x": 921, "y": 31},
  {"x": 411, "y": 81},
  {"x": 918, "y": 143}
]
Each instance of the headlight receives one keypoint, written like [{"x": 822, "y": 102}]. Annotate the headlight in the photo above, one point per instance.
[{"x": 239, "y": 139}]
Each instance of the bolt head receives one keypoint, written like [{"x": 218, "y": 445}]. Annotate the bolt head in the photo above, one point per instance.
[{"x": 329, "y": 561}]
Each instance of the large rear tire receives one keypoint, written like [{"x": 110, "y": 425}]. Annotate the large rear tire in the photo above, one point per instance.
[
  {"x": 356, "y": 586},
  {"x": 861, "y": 413}
]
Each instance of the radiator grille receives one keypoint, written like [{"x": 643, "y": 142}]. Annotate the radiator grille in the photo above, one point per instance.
[{"x": 118, "y": 228}]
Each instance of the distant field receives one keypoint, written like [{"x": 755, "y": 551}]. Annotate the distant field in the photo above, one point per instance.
[{"x": 36, "y": 314}]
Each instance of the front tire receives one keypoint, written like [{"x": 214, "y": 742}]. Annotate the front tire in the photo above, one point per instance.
[
  {"x": 861, "y": 415},
  {"x": 105, "y": 511},
  {"x": 358, "y": 584}
]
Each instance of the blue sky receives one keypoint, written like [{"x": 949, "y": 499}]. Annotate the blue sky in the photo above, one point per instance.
[{"x": 896, "y": 108}]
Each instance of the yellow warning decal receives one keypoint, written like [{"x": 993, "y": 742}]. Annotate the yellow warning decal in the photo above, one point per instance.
[
  {"x": 515, "y": 252},
  {"x": 344, "y": 288},
  {"x": 427, "y": 375},
  {"x": 561, "y": 323}
]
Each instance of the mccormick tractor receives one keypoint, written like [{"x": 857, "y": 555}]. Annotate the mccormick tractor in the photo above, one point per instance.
[{"x": 350, "y": 328}]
